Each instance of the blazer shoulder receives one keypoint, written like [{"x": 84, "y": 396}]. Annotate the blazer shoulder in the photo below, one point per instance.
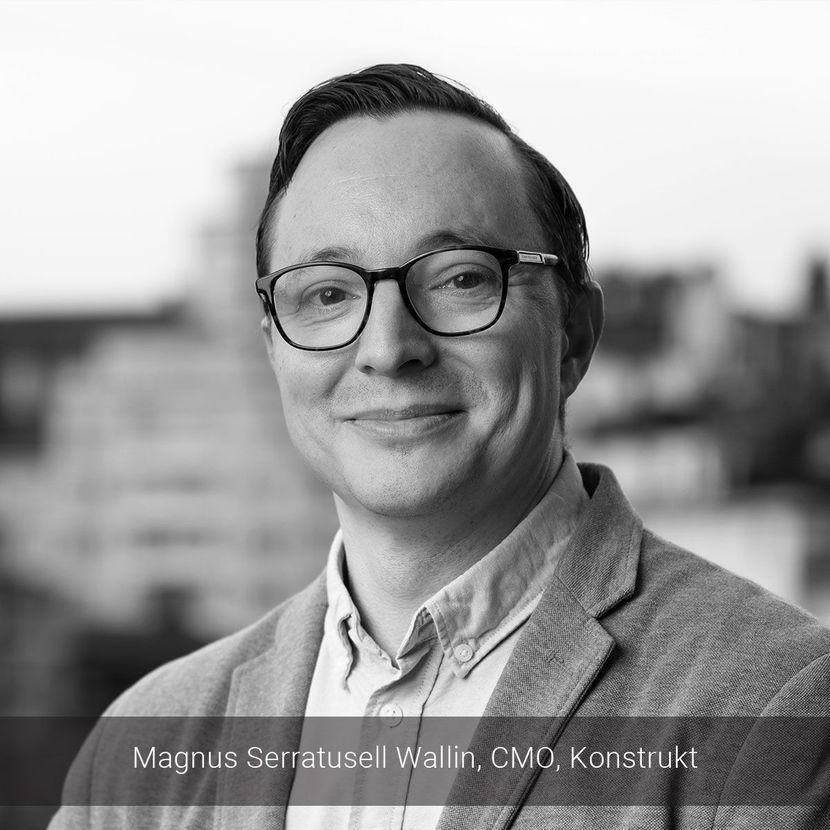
[
  {"x": 702, "y": 583},
  {"x": 198, "y": 683},
  {"x": 711, "y": 641}
]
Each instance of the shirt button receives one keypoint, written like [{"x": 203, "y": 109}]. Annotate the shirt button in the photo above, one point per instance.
[
  {"x": 391, "y": 714},
  {"x": 463, "y": 652}
]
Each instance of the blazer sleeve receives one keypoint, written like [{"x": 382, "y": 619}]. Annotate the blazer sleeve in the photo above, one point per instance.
[{"x": 784, "y": 764}]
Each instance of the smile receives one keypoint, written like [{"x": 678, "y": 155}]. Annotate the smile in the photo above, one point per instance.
[{"x": 407, "y": 423}]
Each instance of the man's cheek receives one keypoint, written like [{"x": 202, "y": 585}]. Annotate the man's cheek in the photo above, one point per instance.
[{"x": 296, "y": 413}]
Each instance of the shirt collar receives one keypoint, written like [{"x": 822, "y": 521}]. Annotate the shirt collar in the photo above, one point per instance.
[{"x": 476, "y": 611}]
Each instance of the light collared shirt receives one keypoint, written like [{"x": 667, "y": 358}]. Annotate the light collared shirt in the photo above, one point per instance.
[{"x": 451, "y": 656}]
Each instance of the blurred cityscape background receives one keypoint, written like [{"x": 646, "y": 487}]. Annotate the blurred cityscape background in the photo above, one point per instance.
[{"x": 150, "y": 500}]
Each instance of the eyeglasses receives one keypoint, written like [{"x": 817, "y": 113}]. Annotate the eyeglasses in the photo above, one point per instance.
[{"x": 451, "y": 292}]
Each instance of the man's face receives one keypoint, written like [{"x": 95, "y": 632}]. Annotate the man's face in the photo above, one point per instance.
[{"x": 403, "y": 422}]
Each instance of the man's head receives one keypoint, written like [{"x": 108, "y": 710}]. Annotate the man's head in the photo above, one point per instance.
[
  {"x": 375, "y": 169},
  {"x": 391, "y": 89}
]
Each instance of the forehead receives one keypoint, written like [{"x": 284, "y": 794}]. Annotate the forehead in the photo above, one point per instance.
[{"x": 379, "y": 186}]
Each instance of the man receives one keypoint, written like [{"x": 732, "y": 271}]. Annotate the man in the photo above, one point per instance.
[{"x": 428, "y": 311}]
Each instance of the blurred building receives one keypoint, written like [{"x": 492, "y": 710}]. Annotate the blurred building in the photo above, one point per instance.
[
  {"x": 150, "y": 499},
  {"x": 151, "y": 486},
  {"x": 169, "y": 469},
  {"x": 779, "y": 371},
  {"x": 38, "y": 623},
  {"x": 660, "y": 353},
  {"x": 718, "y": 424}
]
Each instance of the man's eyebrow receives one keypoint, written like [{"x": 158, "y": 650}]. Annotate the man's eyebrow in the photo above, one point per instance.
[
  {"x": 447, "y": 238},
  {"x": 336, "y": 253}
]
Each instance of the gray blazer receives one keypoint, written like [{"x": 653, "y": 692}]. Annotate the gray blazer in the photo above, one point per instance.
[{"x": 629, "y": 625}]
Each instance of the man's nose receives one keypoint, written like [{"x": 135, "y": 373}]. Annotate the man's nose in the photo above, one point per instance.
[{"x": 393, "y": 341}]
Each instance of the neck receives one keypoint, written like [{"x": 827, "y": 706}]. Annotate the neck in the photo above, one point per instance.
[{"x": 395, "y": 564}]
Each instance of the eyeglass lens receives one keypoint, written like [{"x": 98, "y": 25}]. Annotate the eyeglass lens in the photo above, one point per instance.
[{"x": 323, "y": 306}]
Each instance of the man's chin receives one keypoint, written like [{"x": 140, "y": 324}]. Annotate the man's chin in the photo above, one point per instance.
[{"x": 416, "y": 491}]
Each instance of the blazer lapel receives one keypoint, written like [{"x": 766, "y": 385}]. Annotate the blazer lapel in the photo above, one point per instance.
[
  {"x": 558, "y": 657},
  {"x": 275, "y": 684}
]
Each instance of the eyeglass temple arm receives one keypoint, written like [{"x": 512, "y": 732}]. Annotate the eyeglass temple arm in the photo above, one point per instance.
[{"x": 539, "y": 259}]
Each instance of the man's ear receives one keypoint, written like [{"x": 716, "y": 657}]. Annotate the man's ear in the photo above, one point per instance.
[{"x": 582, "y": 330}]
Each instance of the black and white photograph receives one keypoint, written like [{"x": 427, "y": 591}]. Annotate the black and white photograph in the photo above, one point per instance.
[{"x": 414, "y": 415}]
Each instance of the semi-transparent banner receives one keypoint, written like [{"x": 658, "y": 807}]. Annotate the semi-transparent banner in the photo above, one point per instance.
[{"x": 598, "y": 761}]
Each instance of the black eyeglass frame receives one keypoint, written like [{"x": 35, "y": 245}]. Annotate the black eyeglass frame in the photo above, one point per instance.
[{"x": 506, "y": 259}]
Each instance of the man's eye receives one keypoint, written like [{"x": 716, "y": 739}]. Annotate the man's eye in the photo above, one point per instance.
[
  {"x": 467, "y": 280},
  {"x": 330, "y": 295},
  {"x": 326, "y": 296}
]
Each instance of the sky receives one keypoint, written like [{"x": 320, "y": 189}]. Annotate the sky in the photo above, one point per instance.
[{"x": 693, "y": 133}]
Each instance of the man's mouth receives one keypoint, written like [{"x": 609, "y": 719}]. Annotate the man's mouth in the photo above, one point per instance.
[
  {"x": 403, "y": 413},
  {"x": 403, "y": 422}
]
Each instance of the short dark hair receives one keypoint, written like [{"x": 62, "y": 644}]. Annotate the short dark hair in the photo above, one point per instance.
[{"x": 386, "y": 90}]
